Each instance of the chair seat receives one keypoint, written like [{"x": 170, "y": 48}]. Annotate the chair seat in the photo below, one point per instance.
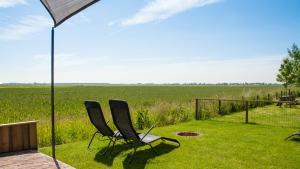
[{"x": 149, "y": 138}]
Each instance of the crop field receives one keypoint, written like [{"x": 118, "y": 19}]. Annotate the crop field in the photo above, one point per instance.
[{"x": 163, "y": 105}]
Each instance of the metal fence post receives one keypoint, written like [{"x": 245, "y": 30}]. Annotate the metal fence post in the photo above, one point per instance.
[
  {"x": 246, "y": 117},
  {"x": 219, "y": 106},
  {"x": 196, "y": 111}
]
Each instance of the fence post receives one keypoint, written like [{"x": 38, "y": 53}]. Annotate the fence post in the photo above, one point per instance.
[
  {"x": 243, "y": 102},
  {"x": 219, "y": 106},
  {"x": 246, "y": 117},
  {"x": 196, "y": 111},
  {"x": 276, "y": 95},
  {"x": 256, "y": 103},
  {"x": 269, "y": 97}
]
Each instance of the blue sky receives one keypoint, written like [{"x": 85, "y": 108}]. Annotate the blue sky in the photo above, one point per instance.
[{"x": 150, "y": 41}]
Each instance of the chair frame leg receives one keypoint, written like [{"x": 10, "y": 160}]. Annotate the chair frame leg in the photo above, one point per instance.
[
  {"x": 107, "y": 147},
  {"x": 152, "y": 149},
  {"x": 93, "y": 138},
  {"x": 114, "y": 143}
]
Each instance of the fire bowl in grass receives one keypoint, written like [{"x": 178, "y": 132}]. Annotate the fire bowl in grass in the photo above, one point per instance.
[{"x": 188, "y": 134}]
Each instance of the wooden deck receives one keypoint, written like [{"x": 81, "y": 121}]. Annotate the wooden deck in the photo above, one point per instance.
[{"x": 30, "y": 160}]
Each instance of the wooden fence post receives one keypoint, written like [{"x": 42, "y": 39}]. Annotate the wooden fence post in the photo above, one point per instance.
[
  {"x": 196, "y": 111},
  {"x": 243, "y": 102},
  {"x": 219, "y": 106},
  {"x": 246, "y": 117}
]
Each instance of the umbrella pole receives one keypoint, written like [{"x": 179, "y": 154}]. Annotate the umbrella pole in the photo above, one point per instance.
[{"x": 52, "y": 94}]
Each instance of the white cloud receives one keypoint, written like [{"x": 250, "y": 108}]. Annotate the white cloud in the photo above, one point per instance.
[
  {"x": 157, "y": 10},
  {"x": 24, "y": 27},
  {"x": 11, "y": 3},
  {"x": 64, "y": 61}
]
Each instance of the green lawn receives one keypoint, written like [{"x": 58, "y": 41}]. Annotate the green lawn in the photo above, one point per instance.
[
  {"x": 268, "y": 115},
  {"x": 222, "y": 145}
]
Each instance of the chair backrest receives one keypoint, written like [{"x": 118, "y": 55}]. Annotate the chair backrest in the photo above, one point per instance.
[
  {"x": 121, "y": 116},
  {"x": 97, "y": 118}
]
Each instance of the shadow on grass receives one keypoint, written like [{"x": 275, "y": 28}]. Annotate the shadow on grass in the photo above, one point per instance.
[
  {"x": 109, "y": 157},
  {"x": 252, "y": 123},
  {"x": 140, "y": 158}
]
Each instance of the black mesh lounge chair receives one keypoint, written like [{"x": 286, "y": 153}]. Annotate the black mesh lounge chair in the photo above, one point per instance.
[
  {"x": 97, "y": 119},
  {"x": 121, "y": 117}
]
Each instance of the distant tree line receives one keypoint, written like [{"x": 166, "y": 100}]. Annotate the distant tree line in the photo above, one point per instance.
[{"x": 289, "y": 71}]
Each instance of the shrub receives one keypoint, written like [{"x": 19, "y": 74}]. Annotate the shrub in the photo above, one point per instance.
[
  {"x": 142, "y": 119},
  {"x": 166, "y": 113}
]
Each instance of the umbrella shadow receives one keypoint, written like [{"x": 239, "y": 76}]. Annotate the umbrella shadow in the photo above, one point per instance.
[{"x": 140, "y": 158}]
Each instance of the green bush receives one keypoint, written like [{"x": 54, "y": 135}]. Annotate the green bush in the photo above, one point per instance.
[{"x": 142, "y": 119}]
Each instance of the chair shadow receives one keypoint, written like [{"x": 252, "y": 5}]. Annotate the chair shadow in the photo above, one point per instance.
[
  {"x": 140, "y": 158},
  {"x": 109, "y": 157}
]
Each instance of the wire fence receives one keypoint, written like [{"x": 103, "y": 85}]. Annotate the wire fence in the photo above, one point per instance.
[{"x": 266, "y": 112}]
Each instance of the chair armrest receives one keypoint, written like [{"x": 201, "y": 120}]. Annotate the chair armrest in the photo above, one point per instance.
[{"x": 148, "y": 131}]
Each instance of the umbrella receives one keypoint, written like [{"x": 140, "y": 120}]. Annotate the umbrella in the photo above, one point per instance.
[{"x": 60, "y": 11}]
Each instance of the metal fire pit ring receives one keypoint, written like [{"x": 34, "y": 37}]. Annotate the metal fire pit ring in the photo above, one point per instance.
[{"x": 188, "y": 133}]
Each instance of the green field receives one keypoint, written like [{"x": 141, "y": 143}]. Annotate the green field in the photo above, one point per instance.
[{"x": 165, "y": 105}]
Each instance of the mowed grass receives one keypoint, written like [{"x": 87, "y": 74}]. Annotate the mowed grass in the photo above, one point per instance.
[
  {"x": 222, "y": 145},
  {"x": 269, "y": 115},
  {"x": 165, "y": 105}
]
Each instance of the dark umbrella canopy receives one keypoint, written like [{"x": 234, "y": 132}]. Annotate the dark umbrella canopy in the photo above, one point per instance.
[{"x": 61, "y": 10}]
